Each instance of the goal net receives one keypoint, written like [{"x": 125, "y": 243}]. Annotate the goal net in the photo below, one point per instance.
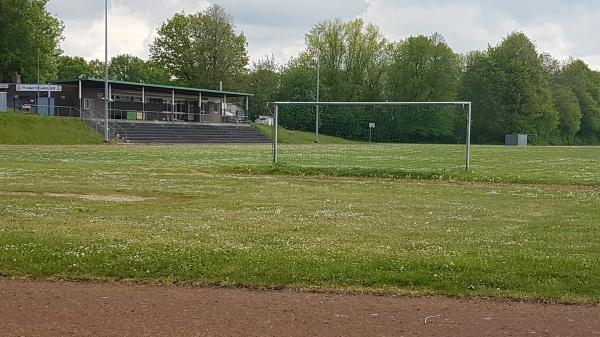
[{"x": 408, "y": 129}]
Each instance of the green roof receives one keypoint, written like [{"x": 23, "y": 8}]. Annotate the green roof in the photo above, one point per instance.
[{"x": 150, "y": 85}]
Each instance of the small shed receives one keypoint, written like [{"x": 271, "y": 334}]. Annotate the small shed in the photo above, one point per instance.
[{"x": 517, "y": 139}]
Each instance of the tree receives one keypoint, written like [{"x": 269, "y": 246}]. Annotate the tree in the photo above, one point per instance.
[
  {"x": 582, "y": 81},
  {"x": 567, "y": 105},
  {"x": 511, "y": 92},
  {"x": 201, "y": 49},
  {"x": 97, "y": 68},
  {"x": 26, "y": 28},
  {"x": 524, "y": 88},
  {"x": 479, "y": 87},
  {"x": 134, "y": 69},
  {"x": 298, "y": 80},
  {"x": 353, "y": 58},
  {"x": 297, "y": 83},
  {"x": 72, "y": 67},
  {"x": 424, "y": 69},
  {"x": 552, "y": 66},
  {"x": 263, "y": 82}
]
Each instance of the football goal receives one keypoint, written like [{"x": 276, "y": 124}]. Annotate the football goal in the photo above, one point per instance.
[{"x": 416, "y": 123}]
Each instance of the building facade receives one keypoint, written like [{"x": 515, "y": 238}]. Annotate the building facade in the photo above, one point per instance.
[{"x": 129, "y": 101}]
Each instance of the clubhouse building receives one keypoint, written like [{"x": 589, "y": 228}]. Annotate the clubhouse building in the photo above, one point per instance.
[{"x": 129, "y": 101}]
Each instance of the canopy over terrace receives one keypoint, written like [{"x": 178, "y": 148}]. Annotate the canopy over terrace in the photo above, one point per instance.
[{"x": 155, "y": 102}]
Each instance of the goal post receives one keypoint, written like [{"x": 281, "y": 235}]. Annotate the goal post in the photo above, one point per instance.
[{"x": 464, "y": 104}]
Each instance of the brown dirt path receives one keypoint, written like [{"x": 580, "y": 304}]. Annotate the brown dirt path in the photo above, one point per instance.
[{"x": 32, "y": 308}]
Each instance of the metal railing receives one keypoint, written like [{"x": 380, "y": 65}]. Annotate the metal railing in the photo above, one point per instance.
[
  {"x": 118, "y": 131},
  {"x": 97, "y": 122},
  {"x": 57, "y": 110}
]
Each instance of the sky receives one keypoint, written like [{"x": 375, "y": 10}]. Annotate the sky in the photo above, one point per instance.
[{"x": 276, "y": 27}]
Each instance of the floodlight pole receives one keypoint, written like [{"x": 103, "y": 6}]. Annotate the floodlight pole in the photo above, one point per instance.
[
  {"x": 106, "y": 94},
  {"x": 318, "y": 79}
]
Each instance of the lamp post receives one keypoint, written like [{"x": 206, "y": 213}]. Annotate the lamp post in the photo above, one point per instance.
[
  {"x": 106, "y": 93},
  {"x": 318, "y": 79}
]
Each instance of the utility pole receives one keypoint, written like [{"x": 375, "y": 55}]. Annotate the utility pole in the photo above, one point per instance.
[
  {"x": 318, "y": 78},
  {"x": 106, "y": 93}
]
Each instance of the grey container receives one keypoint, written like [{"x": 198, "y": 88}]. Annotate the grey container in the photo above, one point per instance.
[{"x": 517, "y": 139}]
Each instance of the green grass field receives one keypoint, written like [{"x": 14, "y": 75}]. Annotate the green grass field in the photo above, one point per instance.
[
  {"x": 330, "y": 217},
  {"x": 18, "y": 128}
]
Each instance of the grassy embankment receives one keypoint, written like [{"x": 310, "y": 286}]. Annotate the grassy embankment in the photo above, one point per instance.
[{"x": 18, "y": 129}]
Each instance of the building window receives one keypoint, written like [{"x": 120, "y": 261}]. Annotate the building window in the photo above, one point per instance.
[
  {"x": 88, "y": 103},
  {"x": 155, "y": 101},
  {"x": 167, "y": 105},
  {"x": 127, "y": 98}
]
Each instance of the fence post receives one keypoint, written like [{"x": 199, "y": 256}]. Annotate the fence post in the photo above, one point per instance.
[
  {"x": 468, "y": 159},
  {"x": 275, "y": 134}
]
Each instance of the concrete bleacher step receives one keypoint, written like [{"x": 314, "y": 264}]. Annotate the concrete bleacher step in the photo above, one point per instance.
[{"x": 154, "y": 133}]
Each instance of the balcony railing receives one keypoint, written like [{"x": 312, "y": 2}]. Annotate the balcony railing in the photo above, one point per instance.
[{"x": 226, "y": 116}]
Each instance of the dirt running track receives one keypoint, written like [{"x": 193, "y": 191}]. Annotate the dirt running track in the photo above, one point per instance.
[{"x": 81, "y": 309}]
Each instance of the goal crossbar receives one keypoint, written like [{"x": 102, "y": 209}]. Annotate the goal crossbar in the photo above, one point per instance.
[
  {"x": 317, "y": 104},
  {"x": 367, "y": 103}
]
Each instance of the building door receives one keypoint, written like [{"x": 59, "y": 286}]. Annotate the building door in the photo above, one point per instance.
[
  {"x": 45, "y": 106},
  {"x": 180, "y": 110},
  {"x": 3, "y": 102},
  {"x": 191, "y": 111}
]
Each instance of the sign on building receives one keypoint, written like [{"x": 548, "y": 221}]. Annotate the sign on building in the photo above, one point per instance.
[
  {"x": 3, "y": 85},
  {"x": 39, "y": 87}
]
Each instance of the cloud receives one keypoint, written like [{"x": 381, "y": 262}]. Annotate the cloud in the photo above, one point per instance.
[
  {"x": 277, "y": 27},
  {"x": 132, "y": 24},
  {"x": 283, "y": 43},
  {"x": 561, "y": 28},
  {"x": 128, "y": 35},
  {"x": 278, "y": 13},
  {"x": 462, "y": 25}
]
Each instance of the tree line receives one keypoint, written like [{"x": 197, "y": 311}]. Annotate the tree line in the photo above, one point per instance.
[{"x": 514, "y": 88}]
